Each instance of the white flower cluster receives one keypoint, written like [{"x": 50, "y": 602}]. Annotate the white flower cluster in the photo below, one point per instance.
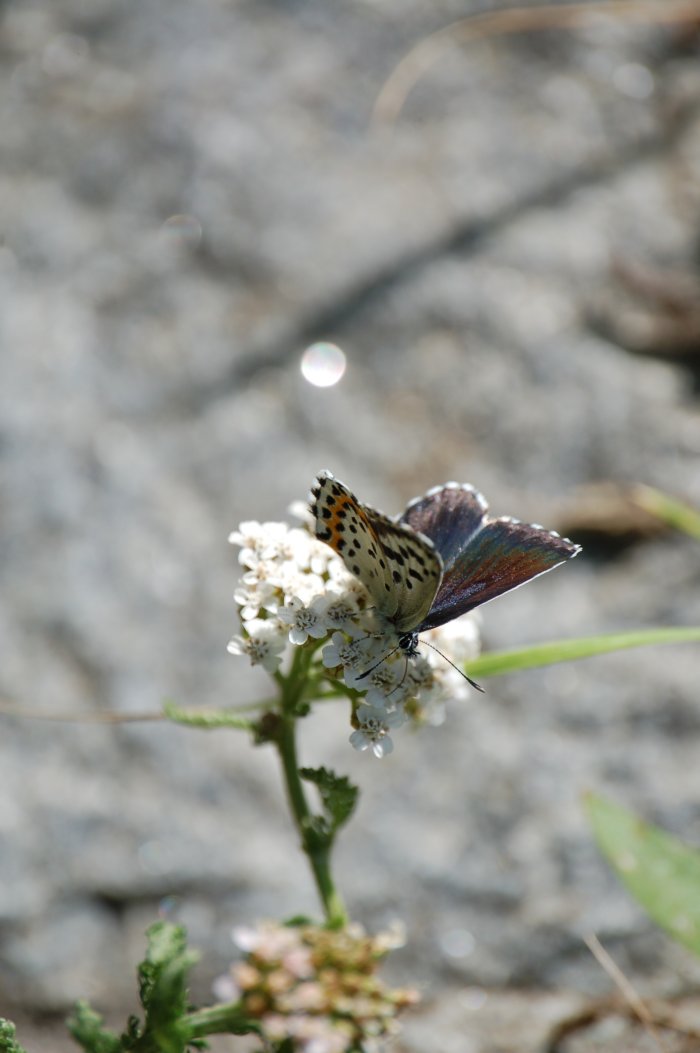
[{"x": 296, "y": 591}]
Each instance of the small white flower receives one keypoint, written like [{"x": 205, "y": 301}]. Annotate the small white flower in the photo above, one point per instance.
[
  {"x": 383, "y": 681},
  {"x": 340, "y": 576},
  {"x": 252, "y": 597},
  {"x": 294, "y": 546},
  {"x": 305, "y": 997},
  {"x": 454, "y": 687},
  {"x": 344, "y": 651},
  {"x": 422, "y": 674},
  {"x": 307, "y": 1033},
  {"x": 303, "y": 584},
  {"x": 373, "y": 729},
  {"x": 301, "y": 511},
  {"x": 342, "y": 608},
  {"x": 256, "y": 539},
  {"x": 264, "y": 644},
  {"x": 246, "y": 937},
  {"x": 322, "y": 558},
  {"x": 305, "y": 621},
  {"x": 380, "y": 657}
]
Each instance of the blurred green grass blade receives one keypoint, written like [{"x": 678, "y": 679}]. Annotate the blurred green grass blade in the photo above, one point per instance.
[
  {"x": 668, "y": 510},
  {"x": 660, "y": 871},
  {"x": 498, "y": 662}
]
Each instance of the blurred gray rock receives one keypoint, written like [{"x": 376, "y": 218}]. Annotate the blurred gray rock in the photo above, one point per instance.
[{"x": 191, "y": 195}]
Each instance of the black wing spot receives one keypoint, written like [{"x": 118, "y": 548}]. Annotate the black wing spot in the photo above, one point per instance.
[
  {"x": 326, "y": 513},
  {"x": 356, "y": 570},
  {"x": 340, "y": 543},
  {"x": 396, "y": 576}
]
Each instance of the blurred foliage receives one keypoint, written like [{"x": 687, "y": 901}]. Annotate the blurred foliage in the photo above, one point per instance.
[
  {"x": 499, "y": 662},
  {"x": 674, "y": 513},
  {"x": 660, "y": 871}
]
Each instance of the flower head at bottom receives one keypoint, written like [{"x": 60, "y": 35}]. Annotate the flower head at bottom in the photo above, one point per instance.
[{"x": 316, "y": 989}]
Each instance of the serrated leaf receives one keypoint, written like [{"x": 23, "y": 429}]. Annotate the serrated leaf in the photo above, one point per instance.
[
  {"x": 85, "y": 1026},
  {"x": 337, "y": 793},
  {"x": 661, "y": 872},
  {"x": 163, "y": 987},
  {"x": 499, "y": 662},
  {"x": 8, "y": 1040}
]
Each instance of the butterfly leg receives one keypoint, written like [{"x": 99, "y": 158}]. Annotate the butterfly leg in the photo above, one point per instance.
[{"x": 377, "y": 664}]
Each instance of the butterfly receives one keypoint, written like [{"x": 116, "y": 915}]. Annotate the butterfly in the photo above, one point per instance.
[{"x": 443, "y": 556}]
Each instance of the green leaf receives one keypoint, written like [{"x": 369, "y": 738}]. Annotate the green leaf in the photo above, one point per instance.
[
  {"x": 499, "y": 662},
  {"x": 670, "y": 511},
  {"x": 8, "y": 1042},
  {"x": 660, "y": 871},
  {"x": 338, "y": 795},
  {"x": 163, "y": 991},
  {"x": 216, "y": 718},
  {"x": 163, "y": 987},
  {"x": 85, "y": 1026}
]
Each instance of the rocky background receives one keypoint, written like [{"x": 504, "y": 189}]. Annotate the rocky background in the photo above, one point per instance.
[{"x": 192, "y": 193}]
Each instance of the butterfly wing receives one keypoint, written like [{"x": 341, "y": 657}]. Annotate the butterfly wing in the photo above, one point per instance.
[
  {"x": 414, "y": 566},
  {"x": 400, "y": 568},
  {"x": 503, "y": 554},
  {"x": 449, "y": 515}
]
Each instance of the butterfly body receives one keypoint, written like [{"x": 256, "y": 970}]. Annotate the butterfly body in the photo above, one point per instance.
[{"x": 442, "y": 557}]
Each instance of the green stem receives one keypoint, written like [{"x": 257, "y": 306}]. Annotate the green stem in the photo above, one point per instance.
[
  {"x": 315, "y": 842},
  {"x": 316, "y": 847}
]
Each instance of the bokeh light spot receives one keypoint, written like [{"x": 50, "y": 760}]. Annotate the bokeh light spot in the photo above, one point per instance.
[
  {"x": 323, "y": 365},
  {"x": 182, "y": 231},
  {"x": 457, "y": 943},
  {"x": 167, "y": 907}
]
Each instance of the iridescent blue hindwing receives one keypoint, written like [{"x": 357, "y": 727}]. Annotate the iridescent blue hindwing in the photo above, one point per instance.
[
  {"x": 441, "y": 558},
  {"x": 503, "y": 554},
  {"x": 450, "y": 516}
]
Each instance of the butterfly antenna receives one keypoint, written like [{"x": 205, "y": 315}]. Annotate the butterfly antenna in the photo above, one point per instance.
[
  {"x": 405, "y": 674},
  {"x": 402, "y": 680},
  {"x": 460, "y": 671},
  {"x": 377, "y": 664}
]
